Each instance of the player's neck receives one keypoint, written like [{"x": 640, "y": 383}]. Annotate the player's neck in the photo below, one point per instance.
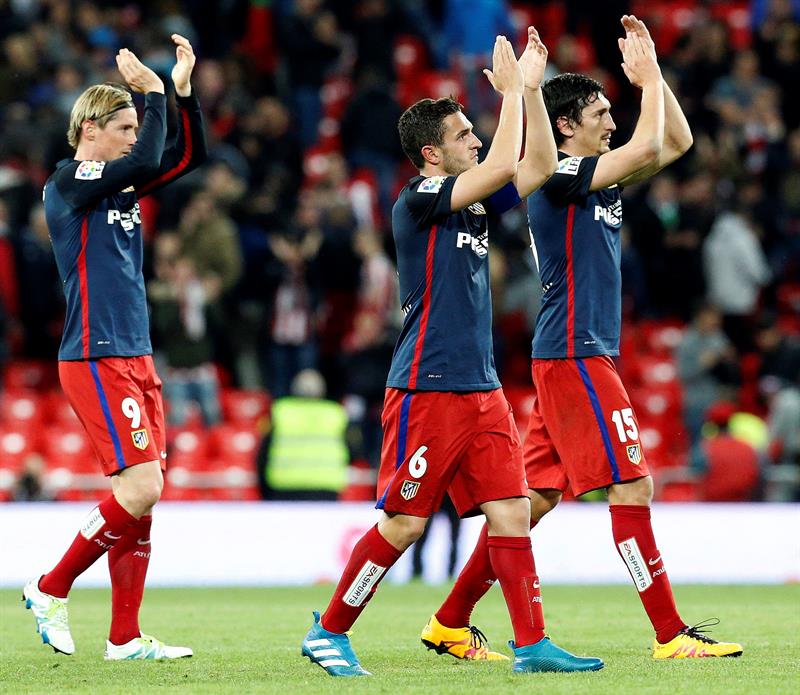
[
  {"x": 572, "y": 149},
  {"x": 432, "y": 170}
]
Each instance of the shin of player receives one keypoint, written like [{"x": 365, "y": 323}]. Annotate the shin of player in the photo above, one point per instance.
[{"x": 105, "y": 364}]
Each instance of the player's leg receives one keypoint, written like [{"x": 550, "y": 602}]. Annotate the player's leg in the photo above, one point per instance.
[
  {"x": 629, "y": 504},
  {"x": 129, "y": 559},
  {"x": 492, "y": 477},
  {"x": 91, "y": 388},
  {"x": 326, "y": 643},
  {"x": 410, "y": 490},
  {"x": 477, "y": 576}
]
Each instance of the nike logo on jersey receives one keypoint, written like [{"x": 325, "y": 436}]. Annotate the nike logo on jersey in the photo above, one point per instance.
[
  {"x": 139, "y": 541},
  {"x": 111, "y": 536},
  {"x": 127, "y": 219},
  {"x": 480, "y": 244},
  {"x": 653, "y": 562}
]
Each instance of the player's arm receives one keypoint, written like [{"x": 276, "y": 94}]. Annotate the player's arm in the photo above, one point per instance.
[
  {"x": 677, "y": 133},
  {"x": 86, "y": 182},
  {"x": 500, "y": 165},
  {"x": 646, "y": 143},
  {"x": 189, "y": 148},
  {"x": 540, "y": 159}
]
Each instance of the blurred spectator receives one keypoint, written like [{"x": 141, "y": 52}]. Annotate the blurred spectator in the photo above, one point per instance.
[
  {"x": 209, "y": 240},
  {"x": 311, "y": 46},
  {"x": 367, "y": 348},
  {"x": 183, "y": 313},
  {"x": 728, "y": 467},
  {"x": 291, "y": 343},
  {"x": 304, "y": 455},
  {"x": 369, "y": 133},
  {"x": 41, "y": 297},
  {"x": 780, "y": 354},
  {"x": 706, "y": 366},
  {"x": 736, "y": 270},
  {"x": 469, "y": 28},
  {"x": 783, "y": 421},
  {"x": 30, "y": 485}
]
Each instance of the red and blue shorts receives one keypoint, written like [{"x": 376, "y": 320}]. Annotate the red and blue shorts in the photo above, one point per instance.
[
  {"x": 118, "y": 400},
  {"x": 582, "y": 430},
  {"x": 434, "y": 442}
]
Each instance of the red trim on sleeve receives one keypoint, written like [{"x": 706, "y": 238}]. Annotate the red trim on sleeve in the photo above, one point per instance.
[
  {"x": 180, "y": 166},
  {"x": 83, "y": 280},
  {"x": 570, "y": 284},
  {"x": 426, "y": 309}
]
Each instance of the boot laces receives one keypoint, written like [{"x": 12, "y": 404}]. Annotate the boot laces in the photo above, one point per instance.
[
  {"x": 698, "y": 631},
  {"x": 477, "y": 639}
]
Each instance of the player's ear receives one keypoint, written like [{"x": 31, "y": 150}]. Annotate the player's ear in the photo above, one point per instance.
[
  {"x": 565, "y": 126},
  {"x": 88, "y": 130},
  {"x": 431, "y": 154}
]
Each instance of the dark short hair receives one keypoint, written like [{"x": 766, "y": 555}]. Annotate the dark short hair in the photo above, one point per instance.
[
  {"x": 423, "y": 124},
  {"x": 567, "y": 95}
]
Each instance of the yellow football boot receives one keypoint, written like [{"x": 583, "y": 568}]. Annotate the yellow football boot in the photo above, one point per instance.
[
  {"x": 461, "y": 642},
  {"x": 692, "y": 643}
]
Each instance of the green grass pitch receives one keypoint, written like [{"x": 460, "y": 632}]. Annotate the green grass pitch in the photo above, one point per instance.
[{"x": 248, "y": 641}]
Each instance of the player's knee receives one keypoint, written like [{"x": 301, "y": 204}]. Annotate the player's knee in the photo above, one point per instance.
[
  {"x": 402, "y": 530},
  {"x": 510, "y": 517},
  {"x": 543, "y": 501},
  {"x": 638, "y": 492}
]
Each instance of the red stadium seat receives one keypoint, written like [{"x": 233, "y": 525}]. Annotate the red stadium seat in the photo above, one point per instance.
[
  {"x": 410, "y": 57},
  {"x": 244, "y": 406},
  {"x": 58, "y": 410},
  {"x": 21, "y": 408},
  {"x": 30, "y": 374},
  {"x": 73, "y": 471}
]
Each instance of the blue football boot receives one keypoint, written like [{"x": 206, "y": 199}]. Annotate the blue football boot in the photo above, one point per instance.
[
  {"x": 546, "y": 656},
  {"x": 331, "y": 651}
]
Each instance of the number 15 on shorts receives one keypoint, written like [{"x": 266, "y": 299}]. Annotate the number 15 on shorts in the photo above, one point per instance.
[{"x": 625, "y": 424}]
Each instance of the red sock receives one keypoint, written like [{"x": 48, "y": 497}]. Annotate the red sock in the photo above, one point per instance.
[
  {"x": 471, "y": 585},
  {"x": 636, "y": 545},
  {"x": 104, "y": 526},
  {"x": 512, "y": 560},
  {"x": 372, "y": 556},
  {"x": 127, "y": 565}
]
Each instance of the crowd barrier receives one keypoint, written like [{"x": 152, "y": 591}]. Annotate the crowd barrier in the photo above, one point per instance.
[{"x": 256, "y": 543}]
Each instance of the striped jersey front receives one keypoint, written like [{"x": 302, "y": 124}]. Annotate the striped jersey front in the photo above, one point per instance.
[
  {"x": 93, "y": 217},
  {"x": 443, "y": 264},
  {"x": 575, "y": 237}
]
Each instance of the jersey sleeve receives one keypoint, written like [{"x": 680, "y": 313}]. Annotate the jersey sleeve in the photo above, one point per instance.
[
  {"x": 571, "y": 180},
  {"x": 187, "y": 151},
  {"x": 428, "y": 200},
  {"x": 83, "y": 183},
  {"x": 504, "y": 199}
]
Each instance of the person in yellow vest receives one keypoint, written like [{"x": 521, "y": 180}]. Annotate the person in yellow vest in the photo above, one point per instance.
[{"x": 305, "y": 454}]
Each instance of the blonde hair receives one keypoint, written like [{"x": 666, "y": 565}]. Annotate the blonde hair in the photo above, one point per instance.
[{"x": 98, "y": 103}]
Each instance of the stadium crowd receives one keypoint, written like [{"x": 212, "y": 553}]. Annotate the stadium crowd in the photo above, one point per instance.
[{"x": 276, "y": 257}]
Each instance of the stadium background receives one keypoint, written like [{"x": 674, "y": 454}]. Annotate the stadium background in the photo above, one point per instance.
[{"x": 286, "y": 231}]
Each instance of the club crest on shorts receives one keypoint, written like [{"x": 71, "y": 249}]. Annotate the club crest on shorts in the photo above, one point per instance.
[
  {"x": 140, "y": 439},
  {"x": 634, "y": 453},
  {"x": 409, "y": 489}
]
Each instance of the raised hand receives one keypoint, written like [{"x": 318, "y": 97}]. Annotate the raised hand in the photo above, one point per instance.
[
  {"x": 639, "y": 61},
  {"x": 506, "y": 74},
  {"x": 182, "y": 72},
  {"x": 138, "y": 76},
  {"x": 533, "y": 60},
  {"x": 632, "y": 25}
]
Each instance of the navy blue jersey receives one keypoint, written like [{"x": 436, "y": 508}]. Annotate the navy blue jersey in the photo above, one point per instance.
[
  {"x": 575, "y": 235},
  {"x": 443, "y": 263},
  {"x": 92, "y": 214}
]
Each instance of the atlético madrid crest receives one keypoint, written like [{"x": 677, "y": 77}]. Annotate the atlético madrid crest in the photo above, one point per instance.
[
  {"x": 409, "y": 489},
  {"x": 140, "y": 439},
  {"x": 634, "y": 454}
]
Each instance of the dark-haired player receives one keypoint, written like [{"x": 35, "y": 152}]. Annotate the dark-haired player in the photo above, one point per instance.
[
  {"x": 447, "y": 425},
  {"x": 105, "y": 364},
  {"x": 582, "y": 430}
]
